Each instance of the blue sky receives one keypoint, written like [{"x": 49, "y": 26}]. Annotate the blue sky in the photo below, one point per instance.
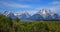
[{"x": 31, "y": 6}]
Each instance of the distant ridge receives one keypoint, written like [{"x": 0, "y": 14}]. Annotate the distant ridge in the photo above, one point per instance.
[{"x": 43, "y": 14}]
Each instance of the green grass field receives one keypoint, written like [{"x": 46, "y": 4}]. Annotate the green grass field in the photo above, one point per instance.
[
  {"x": 15, "y": 25},
  {"x": 41, "y": 26}
]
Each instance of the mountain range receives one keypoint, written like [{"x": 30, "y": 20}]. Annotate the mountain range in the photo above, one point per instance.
[{"x": 43, "y": 14}]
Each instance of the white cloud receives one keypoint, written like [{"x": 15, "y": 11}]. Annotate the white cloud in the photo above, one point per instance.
[
  {"x": 14, "y": 5},
  {"x": 55, "y": 6},
  {"x": 56, "y": 3}
]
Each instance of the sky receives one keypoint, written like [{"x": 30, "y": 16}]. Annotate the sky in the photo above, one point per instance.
[{"x": 30, "y": 6}]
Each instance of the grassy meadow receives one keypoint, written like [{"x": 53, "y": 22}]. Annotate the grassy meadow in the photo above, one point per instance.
[{"x": 8, "y": 24}]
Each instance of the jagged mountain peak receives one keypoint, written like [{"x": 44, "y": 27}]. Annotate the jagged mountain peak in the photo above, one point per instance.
[
  {"x": 25, "y": 14},
  {"x": 9, "y": 14},
  {"x": 22, "y": 13},
  {"x": 6, "y": 13},
  {"x": 43, "y": 14},
  {"x": 44, "y": 11}
]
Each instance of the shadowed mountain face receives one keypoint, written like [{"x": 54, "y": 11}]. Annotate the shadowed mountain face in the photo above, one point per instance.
[
  {"x": 9, "y": 14},
  {"x": 24, "y": 16},
  {"x": 43, "y": 14},
  {"x": 36, "y": 17}
]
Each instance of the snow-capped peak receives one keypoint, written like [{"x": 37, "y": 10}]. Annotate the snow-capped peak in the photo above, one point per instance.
[
  {"x": 25, "y": 14},
  {"x": 7, "y": 12},
  {"x": 44, "y": 11}
]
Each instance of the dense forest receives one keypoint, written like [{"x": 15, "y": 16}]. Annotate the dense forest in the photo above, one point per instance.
[{"x": 8, "y": 24}]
